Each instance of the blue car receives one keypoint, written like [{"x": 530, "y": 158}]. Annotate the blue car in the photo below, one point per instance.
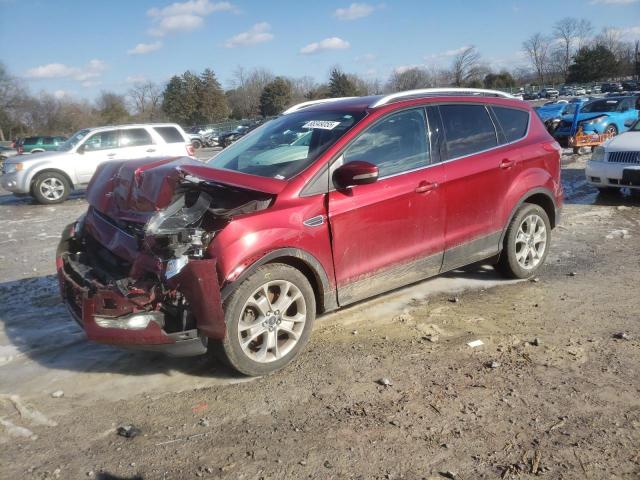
[
  {"x": 551, "y": 113},
  {"x": 608, "y": 115}
]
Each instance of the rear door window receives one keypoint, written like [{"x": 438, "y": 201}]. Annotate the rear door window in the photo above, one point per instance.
[
  {"x": 170, "y": 134},
  {"x": 396, "y": 144},
  {"x": 468, "y": 129},
  {"x": 135, "y": 137},
  {"x": 514, "y": 122}
]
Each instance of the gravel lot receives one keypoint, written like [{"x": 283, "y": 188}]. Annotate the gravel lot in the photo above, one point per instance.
[{"x": 554, "y": 390}]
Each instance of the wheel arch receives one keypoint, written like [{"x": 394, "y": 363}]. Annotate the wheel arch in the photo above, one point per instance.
[
  {"x": 538, "y": 196},
  {"x": 304, "y": 262},
  {"x": 35, "y": 175}
]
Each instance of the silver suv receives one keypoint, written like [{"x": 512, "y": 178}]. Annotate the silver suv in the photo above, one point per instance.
[{"x": 50, "y": 176}]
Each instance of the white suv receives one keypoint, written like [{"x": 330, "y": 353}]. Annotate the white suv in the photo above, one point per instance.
[{"x": 50, "y": 176}]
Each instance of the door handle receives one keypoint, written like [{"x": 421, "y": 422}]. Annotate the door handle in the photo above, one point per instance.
[
  {"x": 506, "y": 164},
  {"x": 111, "y": 155},
  {"x": 151, "y": 150},
  {"x": 426, "y": 187}
]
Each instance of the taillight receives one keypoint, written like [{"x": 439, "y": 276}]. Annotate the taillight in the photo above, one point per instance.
[
  {"x": 190, "y": 150},
  {"x": 20, "y": 149}
]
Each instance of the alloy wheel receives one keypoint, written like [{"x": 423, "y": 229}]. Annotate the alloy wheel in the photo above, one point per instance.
[
  {"x": 52, "y": 188},
  {"x": 272, "y": 321},
  {"x": 531, "y": 241}
]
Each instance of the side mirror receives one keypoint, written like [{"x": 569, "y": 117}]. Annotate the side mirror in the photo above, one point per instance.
[
  {"x": 81, "y": 149},
  {"x": 355, "y": 173}
]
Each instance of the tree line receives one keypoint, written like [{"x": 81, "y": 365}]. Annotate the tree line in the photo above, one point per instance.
[{"x": 573, "y": 53}]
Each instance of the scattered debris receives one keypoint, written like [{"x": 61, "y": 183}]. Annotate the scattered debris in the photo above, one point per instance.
[
  {"x": 182, "y": 439},
  {"x": 535, "y": 463},
  {"x": 534, "y": 280},
  {"x": 128, "y": 431},
  {"x": 536, "y": 342},
  {"x": 572, "y": 274},
  {"x": 58, "y": 394},
  {"x": 203, "y": 422},
  {"x": 561, "y": 423},
  {"x": 302, "y": 462},
  {"x": 493, "y": 364},
  {"x": 200, "y": 407},
  {"x": 450, "y": 475},
  {"x": 355, "y": 332},
  {"x": 622, "y": 336},
  {"x": 475, "y": 343},
  {"x": 454, "y": 300},
  {"x": 395, "y": 423},
  {"x": 327, "y": 464},
  {"x": 621, "y": 233},
  {"x": 385, "y": 382},
  {"x": 431, "y": 338}
]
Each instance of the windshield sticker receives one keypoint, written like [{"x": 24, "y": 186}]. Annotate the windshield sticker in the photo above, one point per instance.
[{"x": 321, "y": 124}]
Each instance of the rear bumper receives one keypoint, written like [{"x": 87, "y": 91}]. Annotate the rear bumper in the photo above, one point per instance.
[{"x": 133, "y": 316}]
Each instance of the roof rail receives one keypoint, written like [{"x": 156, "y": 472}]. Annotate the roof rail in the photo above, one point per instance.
[
  {"x": 425, "y": 92},
  {"x": 302, "y": 105}
]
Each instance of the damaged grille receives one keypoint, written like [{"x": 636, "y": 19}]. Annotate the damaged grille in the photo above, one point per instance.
[{"x": 630, "y": 158}]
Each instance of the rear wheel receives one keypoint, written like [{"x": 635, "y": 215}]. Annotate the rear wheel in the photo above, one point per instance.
[
  {"x": 269, "y": 318},
  {"x": 611, "y": 130},
  {"x": 196, "y": 144},
  {"x": 51, "y": 187},
  {"x": 526, "y": 243}
]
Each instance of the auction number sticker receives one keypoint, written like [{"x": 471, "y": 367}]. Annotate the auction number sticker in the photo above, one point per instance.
[{"x": 321, "y": 124}]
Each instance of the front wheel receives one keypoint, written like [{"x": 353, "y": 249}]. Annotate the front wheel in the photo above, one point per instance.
[
  {"x": 526, "y": 242},
  {"x": 51, "y": 187},
  {"x": 269, "y": 318},
  {"x": 196, "y": 144},
  {"x": 611, "y": 130}
]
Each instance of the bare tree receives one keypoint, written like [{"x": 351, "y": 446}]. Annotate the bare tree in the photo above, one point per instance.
[
  {"x": 611, "y": 39},
  {"x": 244, "y": 98},
  {"x": 537, "y": 49},
  {"x": 409, "y": 79},
  {"x": 565, "y": 31},
  {"x": 146, "y": 99},
  {"x": 584, "y": 33},
  {"x": 465, "y": 66}
]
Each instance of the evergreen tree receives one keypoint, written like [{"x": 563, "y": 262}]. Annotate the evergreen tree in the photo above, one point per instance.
[
  {"x": 276, "y": 96},
  {"x": 173, "y": 100},
  {"x": 340, "y": 85},
  {"x": 593, "y": 64},
  {"x": 213, "y": 105}
]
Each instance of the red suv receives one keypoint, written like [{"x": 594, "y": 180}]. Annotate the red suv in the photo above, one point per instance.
[{"x": 330, "y": 203}]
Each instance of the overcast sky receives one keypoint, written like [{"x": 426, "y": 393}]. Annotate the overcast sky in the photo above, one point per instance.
[{"x": 82, "y": 47}]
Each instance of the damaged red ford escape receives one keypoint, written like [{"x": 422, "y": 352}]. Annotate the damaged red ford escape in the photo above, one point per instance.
[{"x": 330, "y": 203}]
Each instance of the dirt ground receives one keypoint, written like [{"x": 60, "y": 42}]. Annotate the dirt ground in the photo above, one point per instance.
[{"x": 552, "y": 392}]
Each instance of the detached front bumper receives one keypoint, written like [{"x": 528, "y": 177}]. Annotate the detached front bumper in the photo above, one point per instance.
[{"x": 133, "y": 316}]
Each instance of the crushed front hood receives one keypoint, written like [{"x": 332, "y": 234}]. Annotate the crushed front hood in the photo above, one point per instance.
[{"x": 134, "y": 190}]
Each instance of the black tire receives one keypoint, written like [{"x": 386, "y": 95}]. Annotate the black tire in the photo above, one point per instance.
[
  {"x": 230, "y": 349},
  {"x": 611, "y": 129},
  {"x": 39, "y": 190},
  {"x": 196, "y": 144},
  {"x": 508, "y": 263}
]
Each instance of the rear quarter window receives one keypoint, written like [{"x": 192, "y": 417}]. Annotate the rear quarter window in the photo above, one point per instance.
[
  {"x": 170, "y": 134},
  {"x": 514, "y": 122}
]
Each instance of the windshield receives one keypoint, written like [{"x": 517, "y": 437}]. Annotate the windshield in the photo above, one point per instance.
[
  {"x": 73, "y": 140},
  {"x": 284, "y": 146},
  {"x": 570, "y": 109},
  {"x": 601, "y": 106}
]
